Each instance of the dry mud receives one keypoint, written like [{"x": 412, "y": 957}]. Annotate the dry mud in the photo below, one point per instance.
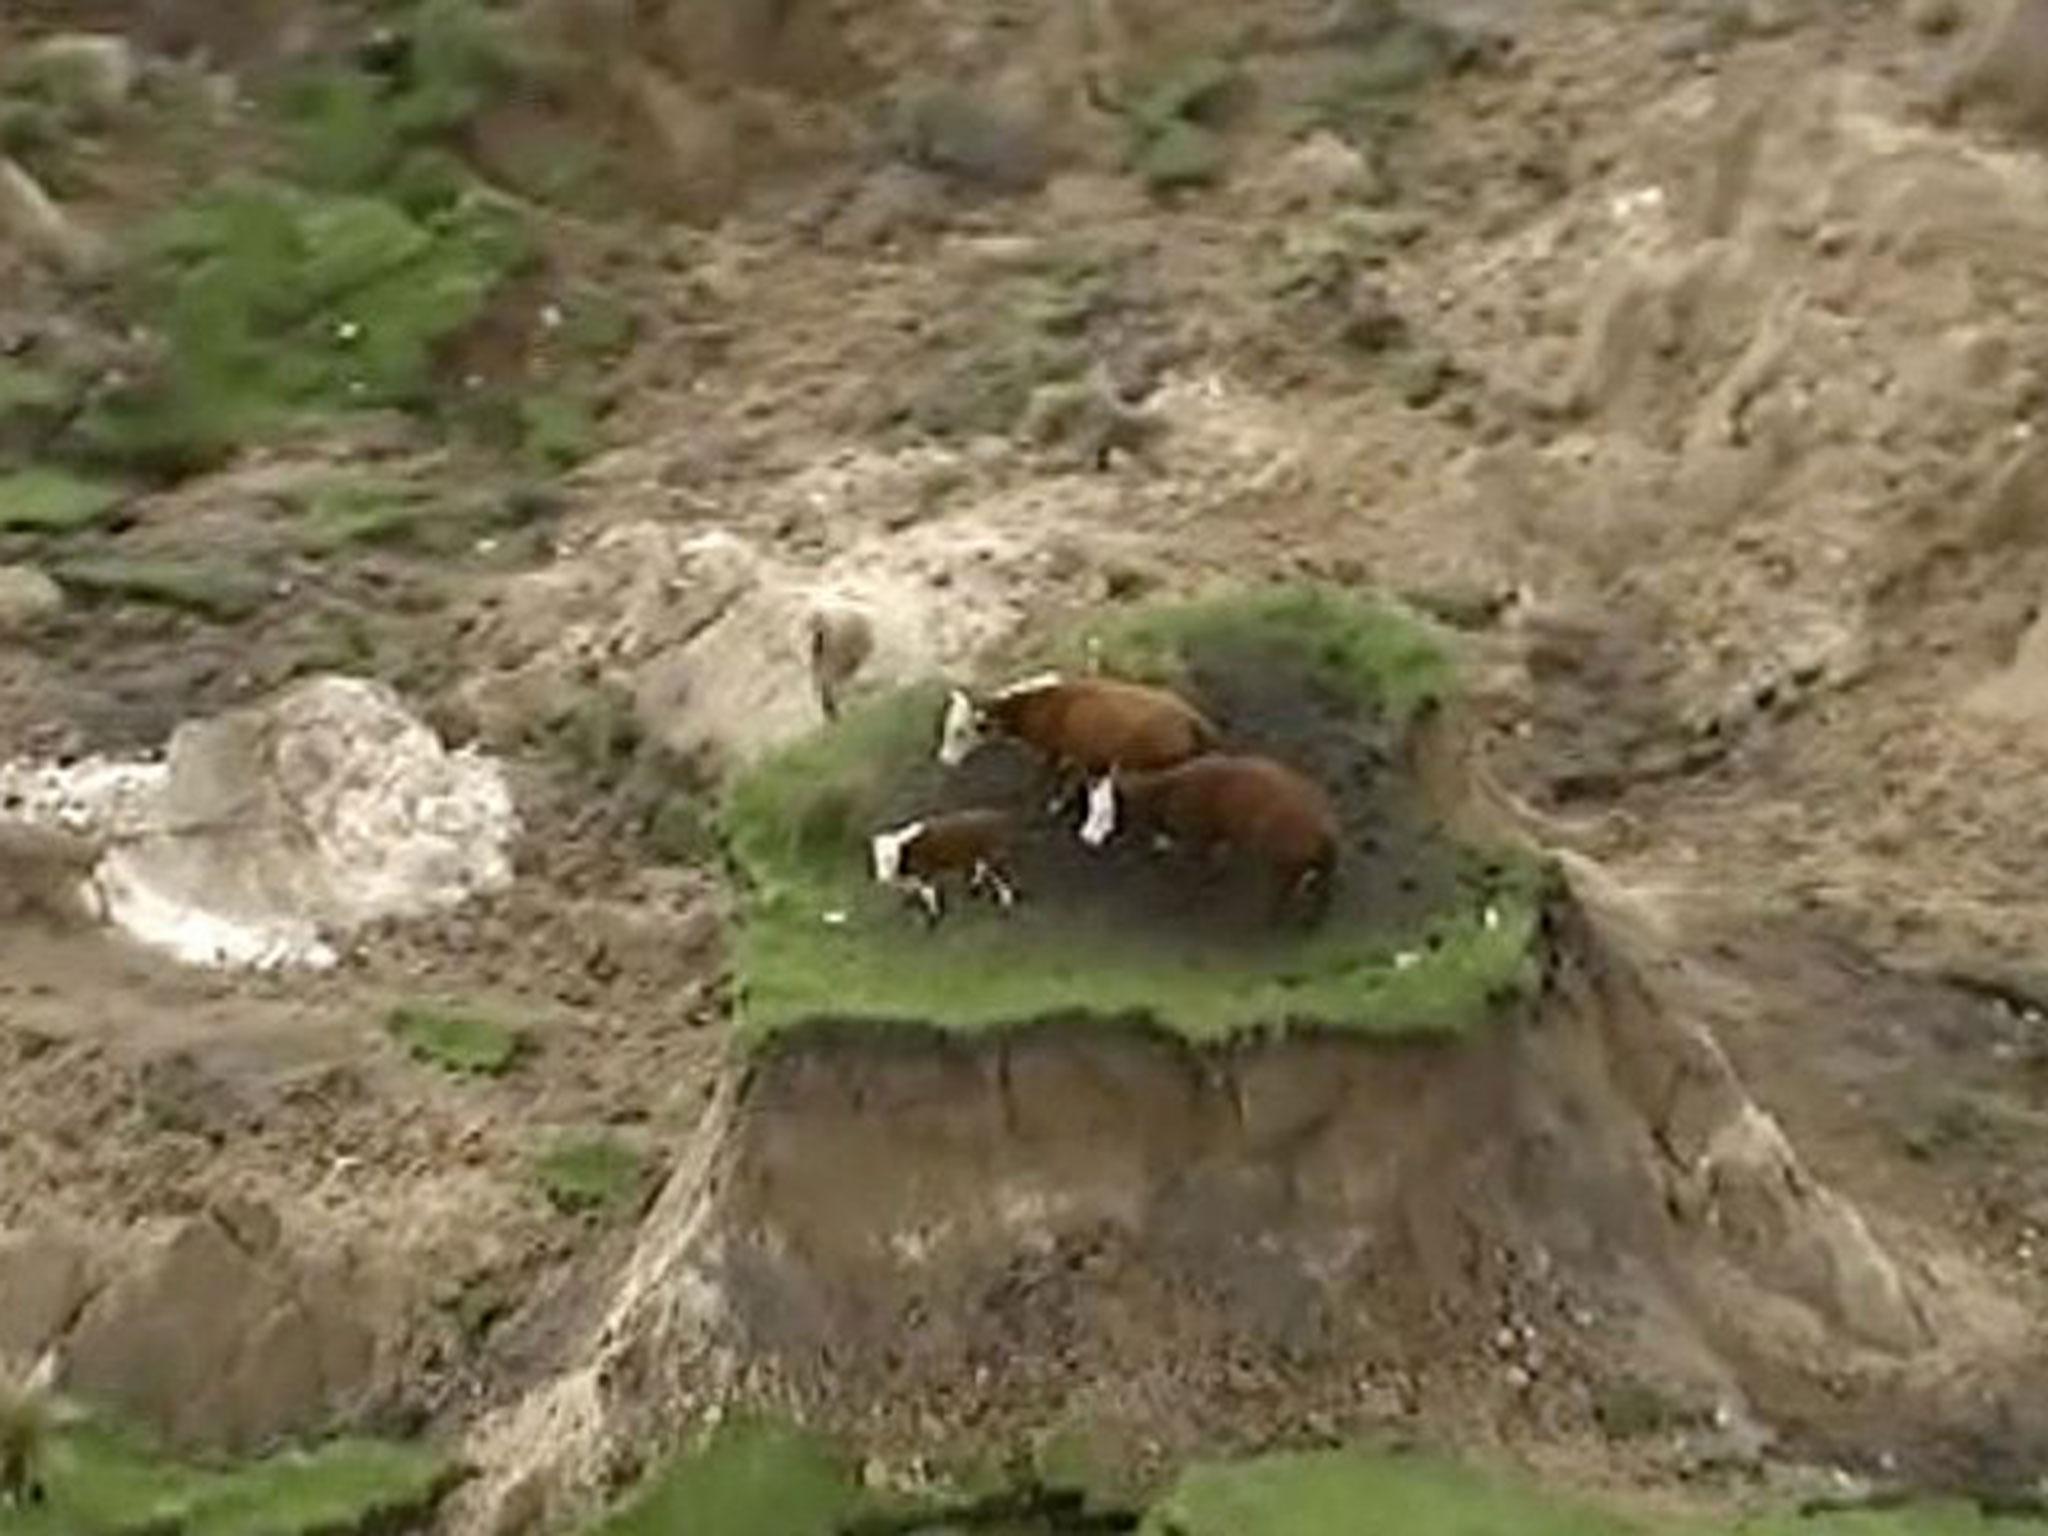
[{"x": 1744, "y": 348}]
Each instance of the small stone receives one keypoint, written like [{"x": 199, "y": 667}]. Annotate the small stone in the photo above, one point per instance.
[
  {"x": 27, "y": 597},
  {"x": 89, "y": 69}
]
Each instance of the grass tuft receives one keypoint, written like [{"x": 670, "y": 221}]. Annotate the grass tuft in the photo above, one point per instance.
[
  {"x": 1374, "y": 657},
  {"x": 1321, "y": 1493},
  {"x": 275, "y": 304},
  {"x": 54, "y": 501},
  {"x": 749, "y": 1478},
  {"x": 101, "y": 1482},
  {"x": 216, "y": 590},
  {"x": 598, "y": 1174},
  {"x": 456, "y": 1039}
]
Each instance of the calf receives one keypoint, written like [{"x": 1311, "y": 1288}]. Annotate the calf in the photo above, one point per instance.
[
  {"x": 1089, "y": 724},
  {"x": 1255, "y": 805},
  {"x": 916, "y": 856}
]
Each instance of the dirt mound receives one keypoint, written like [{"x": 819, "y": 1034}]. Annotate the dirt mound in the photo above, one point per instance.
[{"x": 917, "y": 1239}]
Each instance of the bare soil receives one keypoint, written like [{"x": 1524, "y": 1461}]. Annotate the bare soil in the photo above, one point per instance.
[{"x": 1727, "y": 355}]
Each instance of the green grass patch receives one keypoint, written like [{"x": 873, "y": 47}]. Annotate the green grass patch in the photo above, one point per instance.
[
  {"x": 104, "y": 1483},
  {"x": 32, "y": 391},
  {"x": 597, "y": 1174},
  {"x": 275, "y": 305},
  {"x": 217, "y": 590},
  {"x": 557, "y": 429},
  {"x": 759, "y": 1478},
  {"x": 998, "y": 351},
  {"x": 1339, "y": 1492},
  {"x": 351, "y": 130},
  {"x": 1172, "y": 125},
  {"x": 345, "y": 514},
  {"x": 458, "y": 1039},
  {"x": 54, "y": 501},
  {"x": 818, "y": 940},
  {"x": 749, "y": 1478},
  {"x": 1329, "y": 1493},
  {"x": 1373, "y": 656}
]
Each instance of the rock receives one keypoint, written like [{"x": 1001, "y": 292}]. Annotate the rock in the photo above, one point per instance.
[
  {"x": 709, "y": 632},
  {"x": 840, "y": 640},
  {"x": 987, "y": 143},
  {"x": 1319, "y": 171},
  {"x": 27, "y": 597},
  {"x": 29, "y": 217},
  {"x": 45, "y": 1278},
  {"x": 93, "y": 70},
  {"x": 215, "y": 1347},
  {"x": 1086, "y": 422}
]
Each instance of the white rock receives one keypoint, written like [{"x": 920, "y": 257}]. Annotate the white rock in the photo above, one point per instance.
[{"x": 27, "y": 597}]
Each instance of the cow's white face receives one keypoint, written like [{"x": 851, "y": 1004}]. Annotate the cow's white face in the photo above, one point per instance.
[
  {"x": 961, "y": 730},
  {"x": 1100, "y": 821},
  {"x": 886, "y": 851}
]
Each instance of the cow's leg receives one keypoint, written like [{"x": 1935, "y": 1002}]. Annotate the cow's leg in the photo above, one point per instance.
[
  {"x": 1061, "y": 778},
  {"x": 987, "y": 878},
  {"x": 928, "y": 898}
]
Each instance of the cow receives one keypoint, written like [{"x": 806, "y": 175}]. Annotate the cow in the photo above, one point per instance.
[
  {"x": 1082, "y": 725},
  {"x": 1255, "y": 805},
  {"x": 916, "y": 856}
]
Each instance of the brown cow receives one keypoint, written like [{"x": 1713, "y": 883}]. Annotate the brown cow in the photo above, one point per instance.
[
  {"x": 1255, "y": 805},
  {"x": 1084, "y": 724},
  {"x": 916, "y": 856}
]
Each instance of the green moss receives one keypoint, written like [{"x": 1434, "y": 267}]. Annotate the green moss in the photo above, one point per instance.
[
  {"x": 459, "y": 1039},
  {"x": 591, "y": 1173},
  {"x": 680, "y": 829},
  {"x": 819, "y": 940},
  {"x": 349, "y": 130},
  {"x": 1917, "y": 1519},
  {"x": 103, "y": 1483},
  {"x": 1323, "y": 1494},
  {"x": 275, "y": 304},
  {"x": 352, "y": 513},
  {"x": 347, "y": 513},
  {"x": 1192, "y": 90},
  {"x": 558, "y": 429},
  {"x": 748, "y": 1479},
  {"x": 54, "y": 501},
  {"x": 219, "y": 590},
  {"x": 1171, "y": 126},
  {"x": 1180, "y": 155},
  {"x": 25, "y": 390}
]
